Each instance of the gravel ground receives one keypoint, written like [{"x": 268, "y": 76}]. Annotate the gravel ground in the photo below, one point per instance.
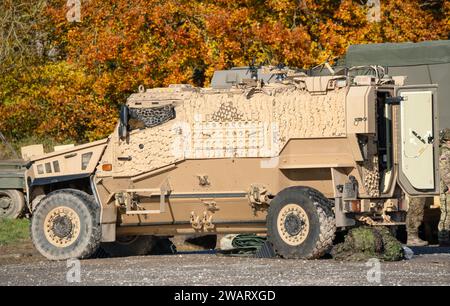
[{"x": 430, "y": 267}]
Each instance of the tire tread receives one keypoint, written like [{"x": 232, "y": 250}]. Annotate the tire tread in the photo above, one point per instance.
[
  {"x": 324, "y": 209},
  {"x": 95, "y": 237}
]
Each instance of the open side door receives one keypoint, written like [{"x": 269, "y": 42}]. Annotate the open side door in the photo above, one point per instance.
[{"x": 418, "y": 143}]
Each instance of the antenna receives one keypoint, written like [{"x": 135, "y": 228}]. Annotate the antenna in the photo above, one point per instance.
[{"x": 253, "y": 70}]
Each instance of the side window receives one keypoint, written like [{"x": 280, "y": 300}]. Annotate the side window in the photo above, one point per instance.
[{"x": 141, "y": 118}]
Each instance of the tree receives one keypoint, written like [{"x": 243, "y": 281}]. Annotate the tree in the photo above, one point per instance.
[
  {"x": 21, "y": 41},
  {"x": 74, "y": 75}
]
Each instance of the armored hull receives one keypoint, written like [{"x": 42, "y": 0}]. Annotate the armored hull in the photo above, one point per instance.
[{"x": 296, "y": 159}]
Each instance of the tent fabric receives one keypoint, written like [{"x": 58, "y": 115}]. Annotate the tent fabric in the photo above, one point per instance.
[{"x": 399, "y": 54}]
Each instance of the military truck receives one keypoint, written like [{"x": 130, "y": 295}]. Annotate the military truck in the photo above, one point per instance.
[
  {"x": 271, "y": 151},
  {"x": 12, "y": 181}
]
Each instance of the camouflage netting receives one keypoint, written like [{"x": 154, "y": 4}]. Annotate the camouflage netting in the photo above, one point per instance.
[
  {"x": 368, "y": 242},
  {"x": 241, "y": 244},
  {"x": 149, "y": 117}
]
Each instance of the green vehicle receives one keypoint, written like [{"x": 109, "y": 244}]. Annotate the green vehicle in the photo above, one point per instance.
[{"x": 12, "y": 181}]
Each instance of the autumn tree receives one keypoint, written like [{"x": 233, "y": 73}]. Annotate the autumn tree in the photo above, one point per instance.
[
  {"x": 21, "y": 40},
  {"x": 88, "y": 68}
]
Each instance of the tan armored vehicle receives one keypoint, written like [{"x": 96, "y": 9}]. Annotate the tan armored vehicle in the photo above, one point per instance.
[{"x": 293, "y": 156}]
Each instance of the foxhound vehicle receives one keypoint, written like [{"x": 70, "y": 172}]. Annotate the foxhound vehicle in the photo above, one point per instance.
[{"x": 271, "y": 151}]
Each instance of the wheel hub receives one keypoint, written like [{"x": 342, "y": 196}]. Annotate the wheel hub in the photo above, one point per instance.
[
  {"x": 5, "y": 203},
  {"x": 293, "y": 224},
  {"x": 62, "y": 226}
]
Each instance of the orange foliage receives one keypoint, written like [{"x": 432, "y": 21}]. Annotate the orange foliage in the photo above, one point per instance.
[{"x": 56, "y": 101}]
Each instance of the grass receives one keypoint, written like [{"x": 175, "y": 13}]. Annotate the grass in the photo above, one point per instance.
[{"x": 13, "y": 231}]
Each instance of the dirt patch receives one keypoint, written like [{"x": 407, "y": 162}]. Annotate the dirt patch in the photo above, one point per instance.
[{"x": 19, "y": 252}]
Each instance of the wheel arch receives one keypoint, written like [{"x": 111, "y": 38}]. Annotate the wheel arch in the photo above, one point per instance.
[
  {"x": 40, "y": 188},
  {"x": 298, "y": 188}
]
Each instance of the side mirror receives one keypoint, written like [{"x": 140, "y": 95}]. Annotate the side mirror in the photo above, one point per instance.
[{"x": 123, "y": 126}]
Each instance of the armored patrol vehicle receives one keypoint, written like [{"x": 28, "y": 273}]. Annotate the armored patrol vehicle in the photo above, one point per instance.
[{"x": 270, "y": 151}]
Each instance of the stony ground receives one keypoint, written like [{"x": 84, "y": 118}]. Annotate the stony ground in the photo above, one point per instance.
[{"x": 431, "y": 266}]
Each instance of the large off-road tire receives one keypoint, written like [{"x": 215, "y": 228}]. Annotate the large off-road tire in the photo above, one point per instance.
[
  {"x": 12, "y": 204},
  {"x": 301, "y": 223},
  {"x": 125, "y": 246},
  {"x": 66, "y": 224}
]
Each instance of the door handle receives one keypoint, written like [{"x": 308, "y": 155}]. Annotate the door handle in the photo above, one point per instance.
[
  {"x": 418, "y": 137},
  {"x": 124, "y": 158}
]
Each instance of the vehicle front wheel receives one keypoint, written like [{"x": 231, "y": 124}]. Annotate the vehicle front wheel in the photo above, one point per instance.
[
  {"x": 12, "y": 204},
  {"x": 300, "y": 223},
  {"x": 66, "y": 225}
]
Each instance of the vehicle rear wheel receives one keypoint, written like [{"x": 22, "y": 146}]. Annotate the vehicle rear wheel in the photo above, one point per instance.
[
  {"x": 300, "y": 223},
  {"x": 12, "y": 204},
  {"x": 66, "y": 225}
]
